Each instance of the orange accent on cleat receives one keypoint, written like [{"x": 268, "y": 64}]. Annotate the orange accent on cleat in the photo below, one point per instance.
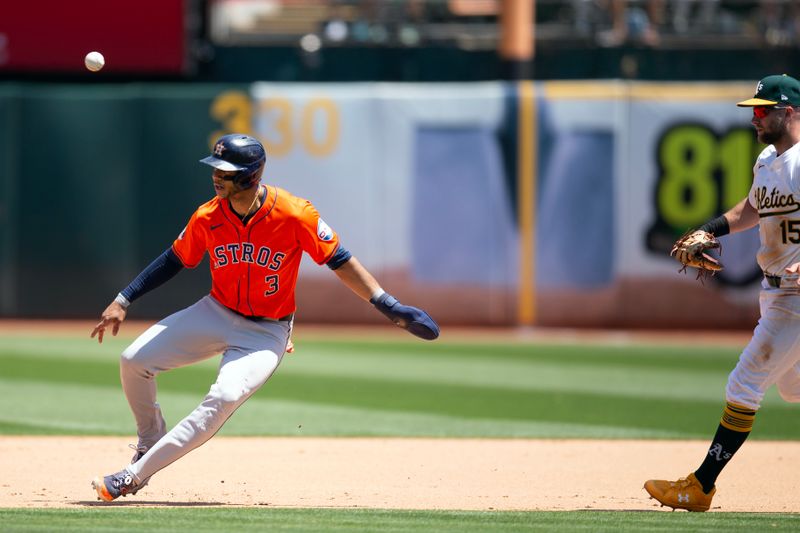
[{"x": 102, "y": 491}]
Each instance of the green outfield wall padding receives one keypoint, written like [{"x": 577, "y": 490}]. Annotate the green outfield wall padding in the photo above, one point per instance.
[
  {"x": 97, "y": 181},
  {"x": 9, "y": 149}
]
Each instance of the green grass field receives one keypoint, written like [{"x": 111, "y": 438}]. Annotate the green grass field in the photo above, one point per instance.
[
  {"x": 328, "y": 520},
  {"x": 398, "y": 388}
]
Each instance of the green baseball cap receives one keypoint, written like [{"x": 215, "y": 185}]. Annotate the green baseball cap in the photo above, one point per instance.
[{"x": 774, "y": 90}]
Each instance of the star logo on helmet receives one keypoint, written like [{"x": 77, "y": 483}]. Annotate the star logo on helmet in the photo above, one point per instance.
[{"x": 219, "y": 148}]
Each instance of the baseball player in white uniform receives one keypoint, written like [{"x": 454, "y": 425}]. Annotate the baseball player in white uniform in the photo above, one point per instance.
[{"x": 773, "y": 354}]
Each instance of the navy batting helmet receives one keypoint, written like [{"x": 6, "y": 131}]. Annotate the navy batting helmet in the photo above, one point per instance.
[{"x": 239, "y": 153}]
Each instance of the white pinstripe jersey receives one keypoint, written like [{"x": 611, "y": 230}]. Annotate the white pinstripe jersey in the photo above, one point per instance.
[{"x": 775, "y": 194}]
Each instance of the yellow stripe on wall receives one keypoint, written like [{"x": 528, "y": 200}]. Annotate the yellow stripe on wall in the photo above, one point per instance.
[
  {"x": 692, "y": 91},
  {"x": 576, "y": 90},
  {"x": 618, "y": 90},
  {"x": 526, "y": 203}
]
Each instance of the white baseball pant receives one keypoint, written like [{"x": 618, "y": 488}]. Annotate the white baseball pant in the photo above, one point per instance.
[
  {"x": 773, "y": 354},
  {"x": 251, "y": 351}
]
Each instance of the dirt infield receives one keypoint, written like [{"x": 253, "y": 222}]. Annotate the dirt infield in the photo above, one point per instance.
[
  {"x": 400, "y": 473},
  {"x": 468, "y": 474}
]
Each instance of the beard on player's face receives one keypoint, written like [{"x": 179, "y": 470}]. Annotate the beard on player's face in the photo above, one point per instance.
[{"x": 773, "y": 128}]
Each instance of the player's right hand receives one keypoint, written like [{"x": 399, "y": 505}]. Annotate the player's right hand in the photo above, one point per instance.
[
  {"x": 113, "y": 316},
  {"x": 794, "y": 269}
]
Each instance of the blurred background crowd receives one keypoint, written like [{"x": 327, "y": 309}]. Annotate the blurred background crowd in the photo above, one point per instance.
[
  {"x": 417, "y": 40},
  {"x": 473, "y": 24}
]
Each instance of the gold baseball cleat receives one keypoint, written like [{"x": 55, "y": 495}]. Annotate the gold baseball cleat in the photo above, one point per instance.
[{"x": 686, "y": 493}]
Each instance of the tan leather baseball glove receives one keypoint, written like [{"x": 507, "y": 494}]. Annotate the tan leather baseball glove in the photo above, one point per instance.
[{"x": 690, "y": 250}]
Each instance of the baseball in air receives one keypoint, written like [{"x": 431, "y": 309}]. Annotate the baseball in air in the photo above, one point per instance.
[{"x": 94, "y": 61}]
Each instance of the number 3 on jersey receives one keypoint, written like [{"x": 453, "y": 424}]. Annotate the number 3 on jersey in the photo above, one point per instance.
[{"x": 272, "y": 284}]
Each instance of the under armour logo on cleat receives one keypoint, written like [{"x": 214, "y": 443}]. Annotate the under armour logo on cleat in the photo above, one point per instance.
[{"x": 683, "y": 498}]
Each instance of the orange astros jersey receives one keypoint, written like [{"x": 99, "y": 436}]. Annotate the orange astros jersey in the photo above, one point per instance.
[{"x": 254, "y": 266}]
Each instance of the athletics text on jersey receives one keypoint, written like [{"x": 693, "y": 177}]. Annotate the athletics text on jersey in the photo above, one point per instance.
[
  {"x": 254, "y": 266},
  {"x": 775, "y": 194}
]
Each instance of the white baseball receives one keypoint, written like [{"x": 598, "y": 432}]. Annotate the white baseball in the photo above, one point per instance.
[{"x": 94, "y": 61}]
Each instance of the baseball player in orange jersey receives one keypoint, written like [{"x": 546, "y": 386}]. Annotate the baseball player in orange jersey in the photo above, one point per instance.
[
  {"x": 772, "y": 357},
  {"x": 255, "y": 236}
]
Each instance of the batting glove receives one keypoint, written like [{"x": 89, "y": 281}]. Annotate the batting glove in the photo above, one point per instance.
[{"x": 415, "y": 321}]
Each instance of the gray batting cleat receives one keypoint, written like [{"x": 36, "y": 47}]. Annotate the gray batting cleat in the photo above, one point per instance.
[{"x": 109, "y": 488}]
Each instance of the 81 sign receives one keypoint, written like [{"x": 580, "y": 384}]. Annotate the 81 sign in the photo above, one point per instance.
[{"x": 701, "y": 174}]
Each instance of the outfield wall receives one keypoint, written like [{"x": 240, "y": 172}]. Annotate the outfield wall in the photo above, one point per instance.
[{"x": 491, "y": 203}]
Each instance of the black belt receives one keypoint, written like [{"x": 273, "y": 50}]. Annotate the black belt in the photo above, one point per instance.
[
  {"x": 773, "y": 281},
  {"x": 254, "y": 318}
]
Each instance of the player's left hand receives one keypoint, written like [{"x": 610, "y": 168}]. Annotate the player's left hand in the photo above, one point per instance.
[
  {"x": 415, "y": 321},
  {"x": 690, "y": 250},
  {"x": 289, "y": 346},
  {"x": 112, "y": 316}
]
